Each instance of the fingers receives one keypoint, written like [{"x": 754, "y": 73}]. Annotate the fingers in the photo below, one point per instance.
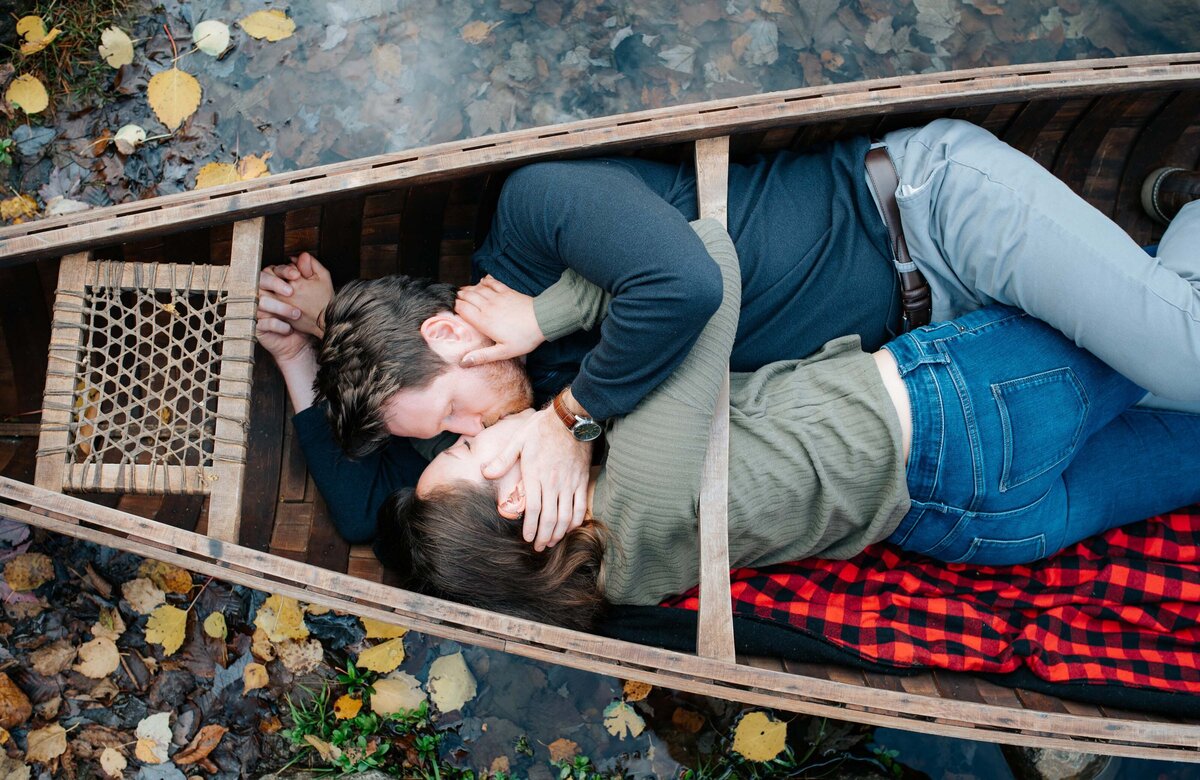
[
  {"x": 505, "y": 461},
  {"x": 275, "y": 307},
  {"x": 270, "y": 324},
  {"x": 487, "y": 355},
  {"x": 533, "y": 511},
  {"x": 305, "y": 265},
  {"x": 269, "y": 281},
  {"x": 580, "y": 506},
  {"x": 287, "y": 271}
]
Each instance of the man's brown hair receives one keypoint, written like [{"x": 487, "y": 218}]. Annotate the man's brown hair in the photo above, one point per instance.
[
  {"x": 454, "y": 544},
  {"x": 373, "y": 348}
]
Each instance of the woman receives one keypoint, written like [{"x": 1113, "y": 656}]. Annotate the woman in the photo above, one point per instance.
[{"x": 990, "y": 439}]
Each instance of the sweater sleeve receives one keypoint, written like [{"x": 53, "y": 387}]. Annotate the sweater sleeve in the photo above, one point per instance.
[
  {"x": 602, "y": 220},
  {"x": 354, "y": 489},
  {"x": 656, "y": 453},
  {"x": 571, "y": 304}
]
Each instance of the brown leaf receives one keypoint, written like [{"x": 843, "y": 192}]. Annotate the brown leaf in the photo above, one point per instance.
[
  {"x": 52, "y": 659},
  {"x": 686, "y": 720},
  {"x": 253, "y": 677},
  {"x": 46, "y": 744},
  {"x": 28, "y": 571},
  {"x": 168, "y": 577},
  {"x": 15, "y": 708},
  {"x": 636, "y": 690},
  {"x": 477, "y": 32},
  {"x": 562, "y": 749},
  {"x": 205, "y": 742},
  {"x": 98, "y": 658}
]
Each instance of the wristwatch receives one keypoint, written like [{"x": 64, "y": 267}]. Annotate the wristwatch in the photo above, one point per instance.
[{"x": 582, "y": 428}]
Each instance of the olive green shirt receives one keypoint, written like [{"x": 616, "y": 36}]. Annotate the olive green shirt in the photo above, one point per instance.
[{"x": 814, "y": 450}]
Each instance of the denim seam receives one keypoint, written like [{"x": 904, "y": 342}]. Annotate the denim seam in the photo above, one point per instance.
[
  {"x": 971, "y": 424},
  {"x": 1042, "y": 378},
  {"x": 978, "y": 542}
]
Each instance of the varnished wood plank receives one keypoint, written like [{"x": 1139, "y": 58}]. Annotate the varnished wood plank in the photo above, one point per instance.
[
  {"x": 421, "y": 229},
  {"x": 188, "y": 246},
  {"x": 326, "y": 547},
  {"x": 26, "y": 329},
  {"x": 180, "y": 511},
  {"x": 293, "y": 527},
  {"x": 340, "y": 237}
]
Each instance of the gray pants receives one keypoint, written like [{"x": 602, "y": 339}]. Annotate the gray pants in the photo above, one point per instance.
[{"x": 986, "y": 224}]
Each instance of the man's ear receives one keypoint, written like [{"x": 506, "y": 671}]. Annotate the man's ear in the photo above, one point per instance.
[
  {"x": 450, "y": 336},
  {"x": 512, "y": 506}
]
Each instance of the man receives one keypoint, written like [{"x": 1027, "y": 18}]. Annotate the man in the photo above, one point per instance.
[{"x": 983, "y": 222}]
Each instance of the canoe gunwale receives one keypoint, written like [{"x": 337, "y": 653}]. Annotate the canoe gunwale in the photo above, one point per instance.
[
  {"x": 760, "y": 687},
  {"x": 808, "y": 105}
]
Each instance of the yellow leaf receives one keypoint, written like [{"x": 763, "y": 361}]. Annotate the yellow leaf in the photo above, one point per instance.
[
  {"x": 143, "y": 595},
  {"x": 33, "y": 29},
  {"x": 4, "y": 736},
  {"x": 562, "y": 749},
  {"x": 110, "y": 625},
  {"x": 636, "y": 691},
  {"x": 28, "y": 571},
  {"x": 621, "y": 720},
  {"x": 216, "y": 173},
  {"x": 401, "y": 691},
  {"x": 282, "y": 618},
  {"x": 168, "y": 577},
  {"x": 167, "y": 626},
  {"x": 254, "y": 677},
  {"x": 274, "y": 25},
  {"x": 261, "y": 646},
  {"x": 18, "y": 208},
  {"x": 46, "y": 744},
  {"x": 477, "y": 32},
  {"x": 98, "y": 658},
  {"x": 28, "y": 94},
  {"x": 148, "y": 752},
  {"x": 253, "y": 166},
  {"x": 112, "y": 762},
  {"x": 759, "y": 737},
  {"x": 346, "y": 707},
  {"x": 382, "y": 658},
  {"x": 214, "y": 625},
  {"x": 451, "y": 684},
  {"x": 115, "y": 47},
  {"x": 174, "y": 96},
  {"x": 377, "y": 629}
]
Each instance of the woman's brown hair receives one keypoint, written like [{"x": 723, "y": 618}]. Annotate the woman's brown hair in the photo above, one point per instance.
[{"x": 455, "y": 544}]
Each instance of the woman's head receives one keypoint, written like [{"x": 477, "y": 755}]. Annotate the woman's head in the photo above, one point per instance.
[{"x": 460, "y": 536}]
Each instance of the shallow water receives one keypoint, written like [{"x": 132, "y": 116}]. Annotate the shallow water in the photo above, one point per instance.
[{"x": 362, "y": 77}]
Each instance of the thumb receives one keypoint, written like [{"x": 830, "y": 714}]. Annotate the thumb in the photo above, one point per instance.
[
  {"x": 504, "y": 461},
  {"x": 485, "y": 355}
]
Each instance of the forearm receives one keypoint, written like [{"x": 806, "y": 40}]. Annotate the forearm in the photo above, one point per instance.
[{"x": 299, "y": 372}]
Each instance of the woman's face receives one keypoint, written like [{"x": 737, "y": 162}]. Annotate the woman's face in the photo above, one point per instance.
[{"x": 463, "y": 462}]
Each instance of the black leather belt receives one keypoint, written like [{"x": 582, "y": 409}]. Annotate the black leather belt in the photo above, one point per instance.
[{"x": 916, "y": 300}]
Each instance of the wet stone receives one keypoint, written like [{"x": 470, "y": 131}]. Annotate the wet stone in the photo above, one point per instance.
[{"x": 1046, "y": 764}]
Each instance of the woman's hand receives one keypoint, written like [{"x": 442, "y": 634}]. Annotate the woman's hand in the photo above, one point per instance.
[
  {"x": 297, "y": 293},
  {"x": 503, "y": 315}
]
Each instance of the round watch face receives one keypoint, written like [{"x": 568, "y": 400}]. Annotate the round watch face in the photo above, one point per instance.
[{"x": 586, "y": 430}]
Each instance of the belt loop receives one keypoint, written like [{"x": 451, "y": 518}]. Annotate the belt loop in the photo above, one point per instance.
[{"x": 916, "y": 299}]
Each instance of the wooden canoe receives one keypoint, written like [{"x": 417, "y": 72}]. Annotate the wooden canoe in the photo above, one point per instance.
[{"x": 1098, "y": 125}]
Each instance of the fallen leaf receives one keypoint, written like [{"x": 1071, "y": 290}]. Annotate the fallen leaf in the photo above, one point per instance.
[
  {"x": 622, "y": 721},
  {"x": 115, "y": 47},
  {"x": 53, "y": 659},
  {"x": 110, "y": 624},
  {"x": 309, "y": 609},
  {"x": 397, "y": 693},
  {"x": 328, "y": 752},
  {"x": 153, "y": 738},
  {"x": 28, "y": 571},
  {"x": 261, "y": 646},
  {"x": 4, "y": 736},
  {"x": 688, "y": 721},
  {"x": 205, "y": 742},
  {"x": 270, "y": 725},
  {"x": 274, "y": 25},
  {"x": 174, "y": 96},
  {"x": 98, "y": 658},
  {"x": 450, "y": 682},
  {"x": 167, "y": 626},
  {"x": 211, "y": 37},
  {"x": 15, "y": 707},
  {"x": 168, "y": 577},
  {"x": 13, "y": 769},
  {"x": 477, "y": 32},
  {"x": 59, "y": 205},
  {"x": 214, "y": 625},
  {"x": 112, "y": 762},
  {"x": 346, "y": 706},
  {"x": 383, "y": 657},
  {"x": 253, "y": 166},
  {"x": 143, "y": 595},
  {"x": 46, "y": 744},
  {"x": 17, "y": 209},
  {"x": 33, "y": 29},
  {"x": 254, "y": 677},
  {"x": 377, "y": 629},
  {"x": 759, "y": 737},
  {"x": 282, "y": 618},
  {"x": 562, "y": 749},
  {"x": 636, "y": 690}
]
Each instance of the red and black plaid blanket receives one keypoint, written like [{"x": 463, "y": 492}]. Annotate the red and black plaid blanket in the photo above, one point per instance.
[{"x": 1122, "y": 608}]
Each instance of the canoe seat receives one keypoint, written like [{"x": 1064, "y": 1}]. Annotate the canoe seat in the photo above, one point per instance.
[{"x": 148, "y": 379}]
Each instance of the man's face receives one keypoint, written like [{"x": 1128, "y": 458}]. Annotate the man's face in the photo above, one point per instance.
[{"x": 459, "y": 400}]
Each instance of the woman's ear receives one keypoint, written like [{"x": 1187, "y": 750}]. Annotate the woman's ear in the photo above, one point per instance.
[{"x": 512, "y": 506}]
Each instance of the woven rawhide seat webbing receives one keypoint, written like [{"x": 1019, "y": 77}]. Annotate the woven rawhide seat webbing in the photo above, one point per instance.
[{"x": 148, "y": 381}]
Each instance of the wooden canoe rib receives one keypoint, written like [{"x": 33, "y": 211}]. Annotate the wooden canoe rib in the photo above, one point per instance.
[{"x": 1100, "y": 126}]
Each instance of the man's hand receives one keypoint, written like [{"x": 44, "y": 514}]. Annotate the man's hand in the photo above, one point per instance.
[
  {"x": 503, "y": 315},
  {"x": 293, "y": 351},
  {"x": 555, "y": 470},
  {"x": 297, "y": 294}
]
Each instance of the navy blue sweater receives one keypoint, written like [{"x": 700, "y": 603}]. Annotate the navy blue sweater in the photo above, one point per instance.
[{"x": 814, "y": 261}]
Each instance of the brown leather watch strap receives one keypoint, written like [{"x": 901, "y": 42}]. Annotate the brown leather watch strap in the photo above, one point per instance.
[
  {"x": 916, "y": 299},
  {"x": 564, "y": 414}
]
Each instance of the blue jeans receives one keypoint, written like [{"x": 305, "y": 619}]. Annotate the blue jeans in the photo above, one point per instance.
[{"x": 1024, "y": 443}]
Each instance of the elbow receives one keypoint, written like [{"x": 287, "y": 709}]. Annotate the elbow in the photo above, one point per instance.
[{"x": 708, "y": 289}]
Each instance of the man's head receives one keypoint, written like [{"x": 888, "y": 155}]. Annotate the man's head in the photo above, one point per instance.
[{"x": 389, "y": 364}]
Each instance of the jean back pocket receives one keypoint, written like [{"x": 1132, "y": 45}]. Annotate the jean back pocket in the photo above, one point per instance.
[{"x": 1042, "y": 418}]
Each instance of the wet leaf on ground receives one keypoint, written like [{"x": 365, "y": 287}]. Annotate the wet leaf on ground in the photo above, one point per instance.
[
  {"x": 113, "y": 762},
  {"x": 167, "y": 626},
  {"x": 214, "y": 625},
  {"x": 143, "y": 595},
  {"x": 166, "y": 576},
  {"x": 383, "y": 657},
  {"x": 15, "y": 707},
  {"x": 635, "y": 690},
  {"x": 211, "y": 37},
  {"x": 205, "y": 742},
  {"x": 623, "y": 721},
  {"x": 562, "y": 749},
  {"x": 254, "y": 677},
  {"x": 53, "y": 658},
  {"x": 347, "y": 706},
  {"x": 115, "y": 47},
  {"x": 33, "y": 30},
  {"x": 174, "y": 95},
  {"x": 46, "y": 744},
  {"x": 759, "y": 737},
  {"x": 28, "y": 571},
  {"x": 98, "y": 658},
  {"x": 153, "y": 738},
  {"x": 273, "y": 25},
  {"x": 451, "y": 684},
  {"x": 377, "y": 629},
  {"x": 395, "y": 693}
]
